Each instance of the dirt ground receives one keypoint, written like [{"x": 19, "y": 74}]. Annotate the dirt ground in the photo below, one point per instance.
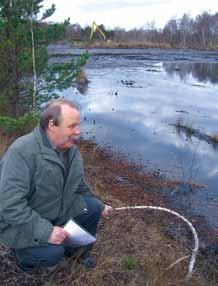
[{"x": 136, "y": 247}]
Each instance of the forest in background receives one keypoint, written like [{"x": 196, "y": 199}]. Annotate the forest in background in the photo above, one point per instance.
[{"x": 200, "y": 32}]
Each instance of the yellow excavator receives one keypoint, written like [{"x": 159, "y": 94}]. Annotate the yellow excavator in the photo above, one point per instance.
[{"x": 95, "y": 28}]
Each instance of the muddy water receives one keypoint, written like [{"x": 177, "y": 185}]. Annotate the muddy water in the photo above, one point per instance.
[{"x": 133, "y": 98}]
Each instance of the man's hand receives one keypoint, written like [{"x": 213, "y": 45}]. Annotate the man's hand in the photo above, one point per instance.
[
  {"x": 58, "y": 235},
  {"x": 107, "y": 210}
]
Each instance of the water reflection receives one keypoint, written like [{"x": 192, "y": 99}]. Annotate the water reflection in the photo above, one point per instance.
[
  {"x": 136, "y": 120},
  {"x": 203, "y": 72}
]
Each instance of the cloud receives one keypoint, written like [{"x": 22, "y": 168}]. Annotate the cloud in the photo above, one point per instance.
[
  {"x": 128, "y": 14},
  {"x": 95, "y": 5}
]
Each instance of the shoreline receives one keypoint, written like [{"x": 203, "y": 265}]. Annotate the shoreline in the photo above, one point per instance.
[
  {"x": 104, "y": 51},
  {"x": 155, "y": 187},
  {"x": 130, "y": 45}
]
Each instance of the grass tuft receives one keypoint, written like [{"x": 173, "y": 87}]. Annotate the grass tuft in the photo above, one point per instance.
[{"x": 130, "y": 263}]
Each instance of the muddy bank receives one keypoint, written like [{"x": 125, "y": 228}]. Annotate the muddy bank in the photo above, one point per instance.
[
  {"x": 132, "y": 185},
  {"x": 154, "y": 54},
  {"x": 134, "y": 247},
  {"x": 121, "y": 45}
]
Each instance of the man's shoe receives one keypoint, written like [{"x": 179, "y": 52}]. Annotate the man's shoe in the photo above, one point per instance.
[
  {"x": 25, "y": 268},
  {"x": 87, "y": 260}
]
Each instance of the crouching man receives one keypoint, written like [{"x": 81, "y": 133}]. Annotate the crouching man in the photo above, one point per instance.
[{"x": 42, "y": 186}]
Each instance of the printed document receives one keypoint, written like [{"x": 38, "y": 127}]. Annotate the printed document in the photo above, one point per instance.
[{"x": 77, "y": 235}]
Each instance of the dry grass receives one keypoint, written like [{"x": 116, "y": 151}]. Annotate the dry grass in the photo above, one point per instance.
[
  {"x": 126, "y": 236},
  {"x": 81, "y": 78},
  {"x": 189, "y": 131},
  {"x": 184, "y": 126},
  {"x": 214, "y": 138},
  {"x": 133, "y": 248},
  {"x": 124, "y": 45}
]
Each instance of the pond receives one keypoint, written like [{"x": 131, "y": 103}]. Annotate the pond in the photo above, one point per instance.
[{"x": 132, "y": 101}]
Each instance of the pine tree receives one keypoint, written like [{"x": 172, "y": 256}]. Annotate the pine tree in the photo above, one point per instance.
[{"x": 24, "y": 37}]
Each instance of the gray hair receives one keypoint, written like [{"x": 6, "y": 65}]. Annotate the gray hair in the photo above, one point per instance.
[{"x": 52, "y": 111}]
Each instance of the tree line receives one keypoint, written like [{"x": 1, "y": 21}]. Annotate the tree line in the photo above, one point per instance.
[{"x": 200, "y": 32}]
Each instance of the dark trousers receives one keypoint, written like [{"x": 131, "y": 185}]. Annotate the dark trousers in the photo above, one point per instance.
[{"x": 51, "y": 254}]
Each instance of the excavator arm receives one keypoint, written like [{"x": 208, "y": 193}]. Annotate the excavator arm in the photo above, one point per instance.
[{"x": 94, "y": 28}]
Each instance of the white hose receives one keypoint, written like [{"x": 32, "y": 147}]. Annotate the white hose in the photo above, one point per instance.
[{"x": 196, "y": 241}]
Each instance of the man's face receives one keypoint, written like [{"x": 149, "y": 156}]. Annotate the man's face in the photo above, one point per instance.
[{"x": 64, "y": 135}]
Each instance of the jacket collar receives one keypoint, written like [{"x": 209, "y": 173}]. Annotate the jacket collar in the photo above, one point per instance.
[
  {"x": 46, "y": 148},
  {"x": 43, "y": 141}
]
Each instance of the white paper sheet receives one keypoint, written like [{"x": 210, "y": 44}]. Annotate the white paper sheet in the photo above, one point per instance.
[{"x": 77, "y": 235}]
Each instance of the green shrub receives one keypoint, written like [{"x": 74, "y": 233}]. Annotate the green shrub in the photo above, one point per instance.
[{"x": 19, "y": 125}]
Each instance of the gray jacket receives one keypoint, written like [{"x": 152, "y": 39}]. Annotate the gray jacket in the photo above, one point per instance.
[{"x": 35, "y": 192}]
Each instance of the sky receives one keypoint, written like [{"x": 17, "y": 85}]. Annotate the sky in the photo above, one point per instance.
[{"x": 127, "y": 14}]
